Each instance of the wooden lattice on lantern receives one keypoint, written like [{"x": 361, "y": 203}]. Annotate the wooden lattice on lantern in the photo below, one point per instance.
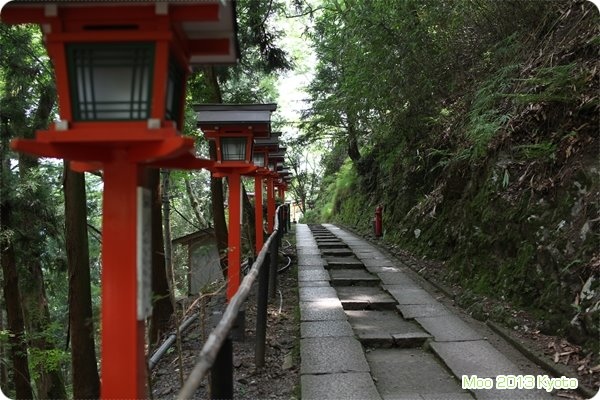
[{"x": 121, "y": 67}]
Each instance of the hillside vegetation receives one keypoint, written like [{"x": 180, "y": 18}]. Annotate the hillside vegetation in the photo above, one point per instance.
[{"x": 476, "y": 125}]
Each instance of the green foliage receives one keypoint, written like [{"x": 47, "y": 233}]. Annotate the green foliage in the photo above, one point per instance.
[
  {"x": 461, "y": 110},
  {"x": 48, "y": 360},
  {"x": 559, "y": 83},
  {"x": 538, "y": 151}
]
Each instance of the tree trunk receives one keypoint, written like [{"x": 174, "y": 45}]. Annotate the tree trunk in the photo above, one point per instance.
[
  {"x": 86, "y": 383},
  {"x": 162, "y": 309},
  {"x": 14, "y": 312},
  {"x": 216, "y": 184},
  {"x": 195, "y": 204},
  {"x": 249, "y": 220},
  {"x": 166, "y": 208},
  {"x": 353, "y": 151},
  {"x": 49, "y": 383},
  {"x": 218, "y": 209}
]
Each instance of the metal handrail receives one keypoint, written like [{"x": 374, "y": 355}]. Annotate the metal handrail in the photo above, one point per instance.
[{"x": 217, "y": 336}]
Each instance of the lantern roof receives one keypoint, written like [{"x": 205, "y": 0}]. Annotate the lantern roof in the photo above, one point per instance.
[
  {"x": 277, "y": 156},
  {"x": 269, "y": 144},
  {"x": 207, "y": 29},
  {"x": 254, "y": 117}
]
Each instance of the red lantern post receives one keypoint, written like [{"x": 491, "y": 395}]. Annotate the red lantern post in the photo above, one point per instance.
[
  {"x": 262, "y": 149},
  {"x": 275, "y": 162},
  {"x": 233, "y": 127},
  {"x": 120, "y": 76}
]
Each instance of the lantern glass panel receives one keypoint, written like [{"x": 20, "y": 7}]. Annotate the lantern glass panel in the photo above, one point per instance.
[
  {"x": 233, "y": 149},
  {"x": 258, "y": 159},
  {"x": 110, "y": 81}
]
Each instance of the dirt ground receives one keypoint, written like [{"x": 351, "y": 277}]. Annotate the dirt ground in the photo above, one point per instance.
[{"x": 278, "y": 379}]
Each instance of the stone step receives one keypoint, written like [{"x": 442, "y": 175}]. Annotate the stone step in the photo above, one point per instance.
[
  {"x": 365, "y": 298},
  {"x": 337, "y": 252},
  {"x": 385, "y": 329},
  {"x": 325, "y": 237},
  {"x": 352, "y": 277},
  {"x": 343, "y": 263},
  {"x": 412, "y": 374},
  {"x": 332, "y": 245}
]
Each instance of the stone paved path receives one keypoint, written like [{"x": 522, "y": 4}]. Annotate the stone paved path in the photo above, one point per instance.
[{"x": 369, "y": 331}]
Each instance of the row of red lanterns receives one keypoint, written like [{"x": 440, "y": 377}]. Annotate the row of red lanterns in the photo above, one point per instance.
[{"x": 120, "y": 72}]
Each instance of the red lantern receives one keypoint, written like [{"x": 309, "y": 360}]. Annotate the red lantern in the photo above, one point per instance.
[{"x": 120, "y": 76}]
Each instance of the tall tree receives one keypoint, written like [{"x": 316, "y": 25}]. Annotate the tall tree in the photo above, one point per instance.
[
  {"x": 12, "y": 294},
  {"x": 242, "y": 84},
  {"x": 162, "y": 308},
  {"x": 306, "y": 176},
  {"x": 28, "y": 100},
  {"x": 86, "y": 383}
]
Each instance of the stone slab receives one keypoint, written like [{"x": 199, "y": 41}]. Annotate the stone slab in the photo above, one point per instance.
[
  {"x": 448, "y": 328},
  {"x": 322, "y": 311},
  {"x": 369, "y": 254},
  {"x": 313, "y": 275},
  {"x": 310, "y": 259},
  {"x": 411, "y": 374},
  {"x": 377, "y": 262},
  {"x": 474, "y": 358},
  {"x": 368, "y": 294},
  {"x": 313, "y": 251},
  {"x": 337, "y": 252},
  {"x": 326, "y": 355},
  {"x": 378, "y": 327},
  {"x": 389, "y": 268},
  {"x": 410, "y": 339},
  {"x": 410, "y": 295},
  {"x": 512, "y": 394},
  {"x": 325, "y": 329},
  {"x": 446, "y": 396},
  {"x": 331, "y": 246},
  {"x": 397, "y": 279},
  {"x": 304, "y": 267},
  {"x": 348, "y": 277},
  {"x": 317, "y": 293},
  {"x": 313, "y": 283},
  {"x": 360, "y": 245},
  {"x": 306, "y": 245},
  {"x": 329, "y": 240},
  {"x": 343, "y": 263},
  {"x": 351, "y": 386},
  {"x": 410, "y": 311}
]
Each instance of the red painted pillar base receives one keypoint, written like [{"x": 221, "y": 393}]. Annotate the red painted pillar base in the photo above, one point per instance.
[
  {"x": 123, "y": 366},
  {"x": 270, "y": 205},
  {"x": 258, "y": 213},
  {"x": 234, "y": 253}
]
